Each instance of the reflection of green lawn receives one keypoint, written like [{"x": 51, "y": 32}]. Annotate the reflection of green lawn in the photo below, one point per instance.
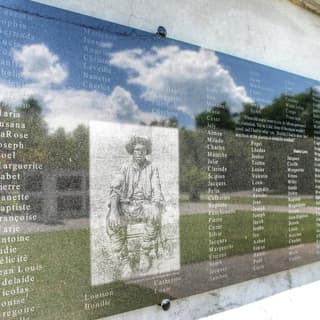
[
  {"x": 237, "y": 229},
  {"x": 65, "y": 256},
  {"x": 271, "y": 201},
  {"x": 60, "y": 288}
]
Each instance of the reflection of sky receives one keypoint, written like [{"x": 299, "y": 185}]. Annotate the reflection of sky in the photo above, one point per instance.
[
  {"x": 224, "y": 79},
  {"x": 274, "y": 81}
]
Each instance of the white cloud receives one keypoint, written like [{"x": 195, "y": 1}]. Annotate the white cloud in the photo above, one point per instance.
[
  {"x": 40, "y": 65},
  {"x": 194, "y": 79},
  {"x": 69, "y": 108}
]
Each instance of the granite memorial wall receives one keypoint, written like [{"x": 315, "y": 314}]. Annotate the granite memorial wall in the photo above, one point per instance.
[{"x": 136, "y": 168}]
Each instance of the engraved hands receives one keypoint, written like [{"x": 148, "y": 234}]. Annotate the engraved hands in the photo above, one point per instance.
[
  {"x": 155, "y": 213},
  {"x": 114, "y": 219},
  {"x": 114, "y": 214}
]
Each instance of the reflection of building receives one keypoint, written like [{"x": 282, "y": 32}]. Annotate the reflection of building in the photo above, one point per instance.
[{"x": 58, "y": 194}]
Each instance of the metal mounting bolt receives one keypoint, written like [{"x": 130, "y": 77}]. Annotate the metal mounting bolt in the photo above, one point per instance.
[
  {"x": 165, "y": 304},
  {"x": 161, "y": 32}
]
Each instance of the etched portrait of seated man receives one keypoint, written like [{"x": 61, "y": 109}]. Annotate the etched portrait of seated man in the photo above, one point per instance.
[
  {"x": 134, "y": 201},
  {"x": 135, "y": 193},
  {"x": 135, "y": 209}
]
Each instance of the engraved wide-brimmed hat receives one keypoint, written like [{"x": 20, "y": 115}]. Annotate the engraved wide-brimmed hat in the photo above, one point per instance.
[{"x": 139, "y": 140}]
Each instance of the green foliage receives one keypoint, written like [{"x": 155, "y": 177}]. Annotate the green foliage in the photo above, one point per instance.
[
  {"x": 36, "y": 127},
  {"x": 277, "y": 110},
  {"x": 193, "y": 162},
  {"x": 170, "y": 123},
  {"x": 69, "y": 150},
  {"x": 59, "y": 149},
  {"x": 194, "y": 180},
  {"x": 80, "y": 138},
  {"x": 225, "y": 118}
]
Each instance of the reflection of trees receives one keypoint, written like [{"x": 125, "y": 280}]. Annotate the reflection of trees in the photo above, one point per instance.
[
  {"x": 193, "y": 174},
  {"x": 277, "y": 110},
  {"x": 36, "y": 127},
  {"x": 59, "y": 149},
  {"x": 226, "y": 118},
  {"x": 171, "y": 123},
  {"x": 304, "y": 109},
  {"x": 238, "y": 150},
  {"x": 70, "y": 150}
]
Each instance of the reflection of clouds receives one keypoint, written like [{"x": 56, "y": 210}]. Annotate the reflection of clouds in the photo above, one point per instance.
[
  {"x": 69, "y": 108},
  {"x": 40, "y": 65},
  {"x": 196, "y": 74}
]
